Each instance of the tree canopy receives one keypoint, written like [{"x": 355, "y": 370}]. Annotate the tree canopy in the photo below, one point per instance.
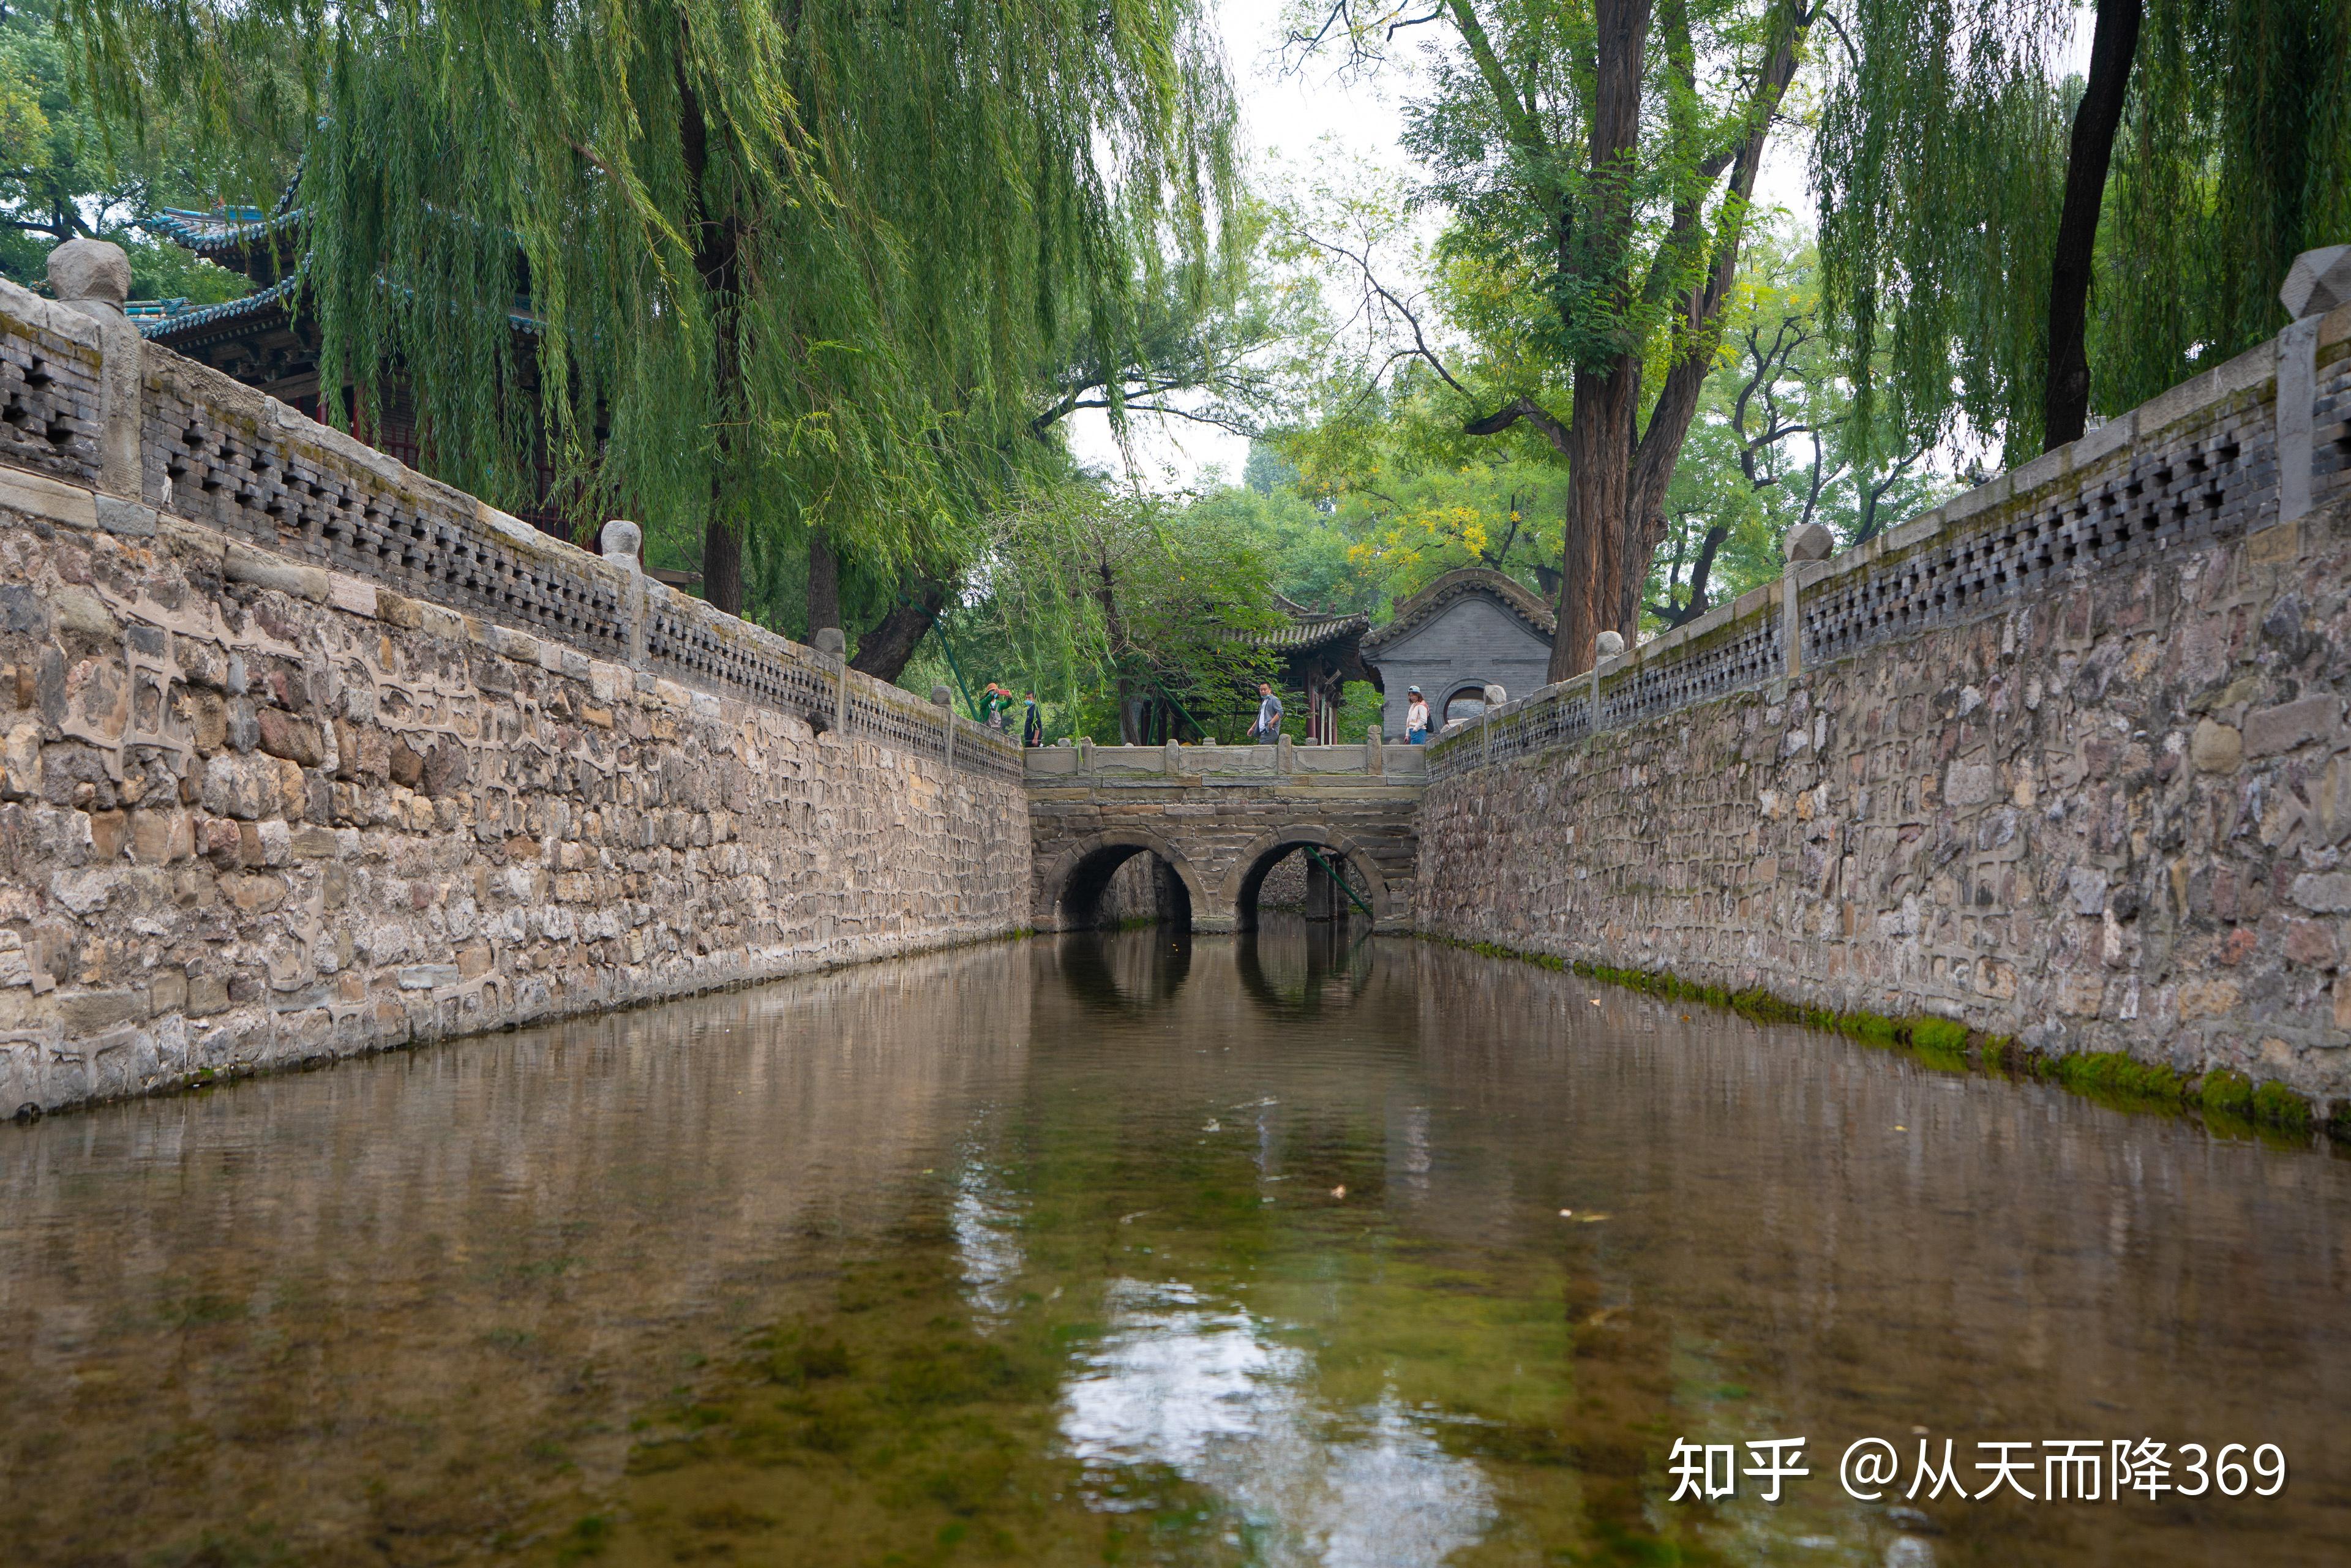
[
  {"x": 792, "y": 275},
  {"x": 1943, "y": 167},
  {"x": 1595, "y": 161}
]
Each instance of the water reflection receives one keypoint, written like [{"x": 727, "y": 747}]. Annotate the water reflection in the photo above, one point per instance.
[
  {"x": 1205, "y": 1391},
  {"x": 1140, "y": 1248}
]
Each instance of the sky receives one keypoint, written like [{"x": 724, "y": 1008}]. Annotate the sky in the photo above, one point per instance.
[{"x": 1284, "y": 115}]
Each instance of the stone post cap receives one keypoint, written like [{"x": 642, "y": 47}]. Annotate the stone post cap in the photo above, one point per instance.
[
  {"x": 620, "y": 539},
  {"x": 941, "y": 696},
  {"x": 1811, "y": 542},
  {"x": 1495, "y": 697},
  {"x": 90, "y": 269},
  {"x": 829, "y": 640},
  {"x": 1609, "y": 644},
  {"x": 2318, "y": 282}
]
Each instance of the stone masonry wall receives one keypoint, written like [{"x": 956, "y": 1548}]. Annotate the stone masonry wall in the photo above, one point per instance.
[
  {"x": 254, "y": 811},
  {"x": 2067, "y": 759},
  {"x": 2114, "y": 818}
]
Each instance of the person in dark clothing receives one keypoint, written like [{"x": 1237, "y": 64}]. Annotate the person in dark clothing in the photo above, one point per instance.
[{"x": 1032, "y": 722}]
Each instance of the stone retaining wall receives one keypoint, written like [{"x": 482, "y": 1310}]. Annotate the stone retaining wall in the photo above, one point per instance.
[
  {"x": 260, "y": 805},
  {"x": 2110, "y": 811}
]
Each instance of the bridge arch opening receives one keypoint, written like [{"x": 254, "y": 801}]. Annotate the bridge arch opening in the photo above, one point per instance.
[
  {"x": 1120, "y": 883},
  {"x": 1333, "y": 881}
]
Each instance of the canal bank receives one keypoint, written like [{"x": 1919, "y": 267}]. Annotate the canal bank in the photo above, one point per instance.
[
  {"x": 307, "y": 756},
  {"x": 2065, "y": 763}
]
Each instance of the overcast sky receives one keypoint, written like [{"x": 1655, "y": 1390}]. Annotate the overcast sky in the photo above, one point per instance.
[{"x": 1284, "y": 114}]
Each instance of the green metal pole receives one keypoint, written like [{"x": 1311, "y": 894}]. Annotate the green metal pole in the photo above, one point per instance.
[
  {"x": 947, "y": 648},
  {"x": 1328, "y": 869}
]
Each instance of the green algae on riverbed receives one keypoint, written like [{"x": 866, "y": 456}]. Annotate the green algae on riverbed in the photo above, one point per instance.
[{"x": 1304, "y": 1248}]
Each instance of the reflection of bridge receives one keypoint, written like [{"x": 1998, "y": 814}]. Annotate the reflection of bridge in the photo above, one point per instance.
[{"x": 1214, "y": 819}]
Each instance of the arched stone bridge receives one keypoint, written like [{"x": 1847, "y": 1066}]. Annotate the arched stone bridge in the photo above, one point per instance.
[{"x": 1212, "y": 821}]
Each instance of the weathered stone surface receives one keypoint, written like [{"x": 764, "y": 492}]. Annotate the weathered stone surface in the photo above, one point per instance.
[
  {"x": 1219, "y": 841},
  {"x": 2115, "y": 815},
  {"x": 90, "y": 269},
  {"x": 334, "y": 826}
]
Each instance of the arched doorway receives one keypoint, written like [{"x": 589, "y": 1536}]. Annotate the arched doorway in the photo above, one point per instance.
[
  {"x": 1127, "y": 882},
  {"x": 1465, "y": 706},
  {"x": 1341, "y": 882}
]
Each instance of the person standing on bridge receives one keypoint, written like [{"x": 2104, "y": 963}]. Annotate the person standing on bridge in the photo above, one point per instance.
[
  {"x": 1416, "y": 720},
  {"x": 1032, "y": 722},
  {"x": 1267, "y": 727}
]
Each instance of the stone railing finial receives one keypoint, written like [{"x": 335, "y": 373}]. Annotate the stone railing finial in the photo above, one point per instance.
[
  {"x": 1810, "y": 542},
  {"x": 2318, "y": 282},
  {"x": 1609, "y": 644},
  {"x": 86, "y": 272},
  {"x": 621, "y": 539}
]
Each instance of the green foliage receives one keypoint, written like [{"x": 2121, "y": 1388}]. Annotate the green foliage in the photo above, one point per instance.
[
  {"x": 1941, "y": 167},
  {"x": 1104, "y": 602},
  {"x": 59, "y": 180},
  {"x": 788, "y": 267},
  {"x": 1776, "y": 444},
  {"x": 1413, "y": 498}
]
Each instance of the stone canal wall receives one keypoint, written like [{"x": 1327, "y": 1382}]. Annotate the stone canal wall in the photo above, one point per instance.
[
  {"x": 305, "y": 755},
  {"x": 2066, "y": 761}
]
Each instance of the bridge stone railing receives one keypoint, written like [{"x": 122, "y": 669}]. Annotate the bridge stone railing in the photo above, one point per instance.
[
  {"x": 1087, "y": 765},
  {"x": 2198, "y": 465},
  {"x": 84, "y": 401}
]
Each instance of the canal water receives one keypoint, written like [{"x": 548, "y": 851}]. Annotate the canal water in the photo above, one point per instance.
[{"x": 1304, "y": 1248}]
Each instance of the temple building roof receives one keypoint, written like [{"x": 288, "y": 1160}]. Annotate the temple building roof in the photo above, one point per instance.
[
  {"x": 1451, "y": 589},
  {"x": 266, "y": 247}
]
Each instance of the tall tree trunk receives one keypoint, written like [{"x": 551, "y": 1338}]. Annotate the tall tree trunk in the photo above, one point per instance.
[
  {"x": 1601, "y": 429},
  {"x": 824, "y": 582},
  {"x": 883, "y": 650},
  {"x": 718, "y": 257},
  {"x": 2065, "y": 406},
  {"x": 1591, "y": 560}
]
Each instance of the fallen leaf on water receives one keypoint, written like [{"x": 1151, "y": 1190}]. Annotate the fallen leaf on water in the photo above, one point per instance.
[
  {"x": 1566, "y": 1213},
  {"x": 1589, "y": 1219},
  {"x": 1131, "y": 1219},
  {"x": 1339, "y": 1191},
  {"x": 1213, "y": 1126}
]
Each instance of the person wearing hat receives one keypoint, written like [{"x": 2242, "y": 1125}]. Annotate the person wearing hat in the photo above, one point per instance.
[{"x": 1416, "y": 720}]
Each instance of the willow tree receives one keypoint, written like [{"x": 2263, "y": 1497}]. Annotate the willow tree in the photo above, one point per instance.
[
  {"x": 2025, "y": 247},
  {"x": 789, "y": 271},
  {"x": 1598, "y": 159}
]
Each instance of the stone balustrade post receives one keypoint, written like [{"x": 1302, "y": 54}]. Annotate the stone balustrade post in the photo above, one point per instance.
[
  {"x": 2318, "y": 282},
  {"x": 829, "y": 643},
  {"x": 944, "y": 700},
  {"x": 1376, "y": 762},
  {"x": 1810, "y": 543},
  {"x": 1171, "y": 759},
  {"x": 1283, "y": 762},
  {"x": 1607, "y": 645},
  {"x": 93, "y": 277},
  {"x": 621, "y": 543}
]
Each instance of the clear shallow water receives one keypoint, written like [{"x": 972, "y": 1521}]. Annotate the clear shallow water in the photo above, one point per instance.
[{"x": 1039, "y": 1253}]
